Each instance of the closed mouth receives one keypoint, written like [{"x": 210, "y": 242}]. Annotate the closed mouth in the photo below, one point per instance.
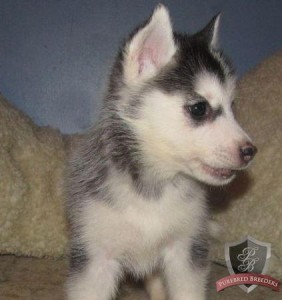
[{"x": 219, "y": 173}]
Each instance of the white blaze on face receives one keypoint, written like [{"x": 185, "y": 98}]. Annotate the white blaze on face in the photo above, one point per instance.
[
  {"x": 222, "y": 137},
  {"x": 215, "y": 92}
]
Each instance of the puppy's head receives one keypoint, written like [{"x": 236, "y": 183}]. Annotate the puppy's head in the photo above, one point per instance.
[{"x": 176, "y": 93}]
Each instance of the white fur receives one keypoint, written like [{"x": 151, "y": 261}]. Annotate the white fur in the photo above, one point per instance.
[
  {"x": 183, "y": 282},
  {"x": 98, "y": 281},
  {"x": 113, "y": 235},
  {"x": 155, "y": 287},
  {"x": 214, "y": 41}
]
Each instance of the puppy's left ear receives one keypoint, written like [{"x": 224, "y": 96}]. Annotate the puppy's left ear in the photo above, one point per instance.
[
  {"x": 150, "y": 48},
  {"x": 210, "y": 33}
]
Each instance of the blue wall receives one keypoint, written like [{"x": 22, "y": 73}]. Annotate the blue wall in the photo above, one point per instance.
[{"x": 56, "y": 54}]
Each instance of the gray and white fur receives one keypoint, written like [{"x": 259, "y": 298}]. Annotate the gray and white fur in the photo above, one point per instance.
[{"x": 136, "y": 186}]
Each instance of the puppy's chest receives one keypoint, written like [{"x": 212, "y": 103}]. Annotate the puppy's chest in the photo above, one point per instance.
[
  {"x": 160, "y": 221},
  {"x": 138, "y": 229}
]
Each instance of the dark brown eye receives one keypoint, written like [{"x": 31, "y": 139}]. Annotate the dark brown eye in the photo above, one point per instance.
[{"x": 199, "y": 110}]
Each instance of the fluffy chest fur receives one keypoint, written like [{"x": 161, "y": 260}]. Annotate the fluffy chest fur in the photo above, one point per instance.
[{"x": 136, "y": 230}]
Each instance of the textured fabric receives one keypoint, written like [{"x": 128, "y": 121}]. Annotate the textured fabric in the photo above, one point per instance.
[
  {"x": 32, "y": 161},
  {"x": 29, "y": 278}
]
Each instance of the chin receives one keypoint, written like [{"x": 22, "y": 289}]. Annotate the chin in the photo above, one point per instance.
[{"x": 216, "y": 181}]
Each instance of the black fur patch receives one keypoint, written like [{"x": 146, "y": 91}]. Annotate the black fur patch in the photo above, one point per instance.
[
  {"x": 122, "y": 145},
  {"x": 78, "y": 258},
  {"x": 193, "y": 56},
  {"x": 199, "y": 252},
  {"x": 133, "y": 108},
  {"x": 123, "y": 148},
  {"x": 88, "y": 170},
  {"x": 93, "y": 184}
]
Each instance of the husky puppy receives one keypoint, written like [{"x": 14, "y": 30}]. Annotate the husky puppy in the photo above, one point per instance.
[{"x": 136, "y": 198}]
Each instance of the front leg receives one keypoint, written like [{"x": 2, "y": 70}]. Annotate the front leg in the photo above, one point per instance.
[
  {"x": 97, "y": 280},
  {"x": 186, "y": 268}
]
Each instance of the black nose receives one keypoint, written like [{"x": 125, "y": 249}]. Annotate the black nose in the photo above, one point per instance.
[{"x": 247, "y": 152}]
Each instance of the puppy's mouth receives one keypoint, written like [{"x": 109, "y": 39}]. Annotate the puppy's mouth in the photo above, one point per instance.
[{"x": 219, "y": 173}]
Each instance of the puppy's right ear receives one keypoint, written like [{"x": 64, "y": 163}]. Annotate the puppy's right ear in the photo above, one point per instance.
[{"x": 150, "y": 48}]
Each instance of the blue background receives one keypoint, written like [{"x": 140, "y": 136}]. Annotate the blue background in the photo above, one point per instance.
[{"x": 55, "y": 55}]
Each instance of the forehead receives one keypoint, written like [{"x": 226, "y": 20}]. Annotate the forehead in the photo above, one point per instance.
[
  {"x": 198, "y": 68},
  {"x": 217, "y": 92}
]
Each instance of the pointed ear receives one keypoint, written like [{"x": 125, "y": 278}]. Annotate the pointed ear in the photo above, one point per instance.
[
  {"x": 210, "y": 33},
  {"x": 150, "y": 48}
]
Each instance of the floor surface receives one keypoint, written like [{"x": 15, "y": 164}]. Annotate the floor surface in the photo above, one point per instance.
[{"x": 42, "y": 279}]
